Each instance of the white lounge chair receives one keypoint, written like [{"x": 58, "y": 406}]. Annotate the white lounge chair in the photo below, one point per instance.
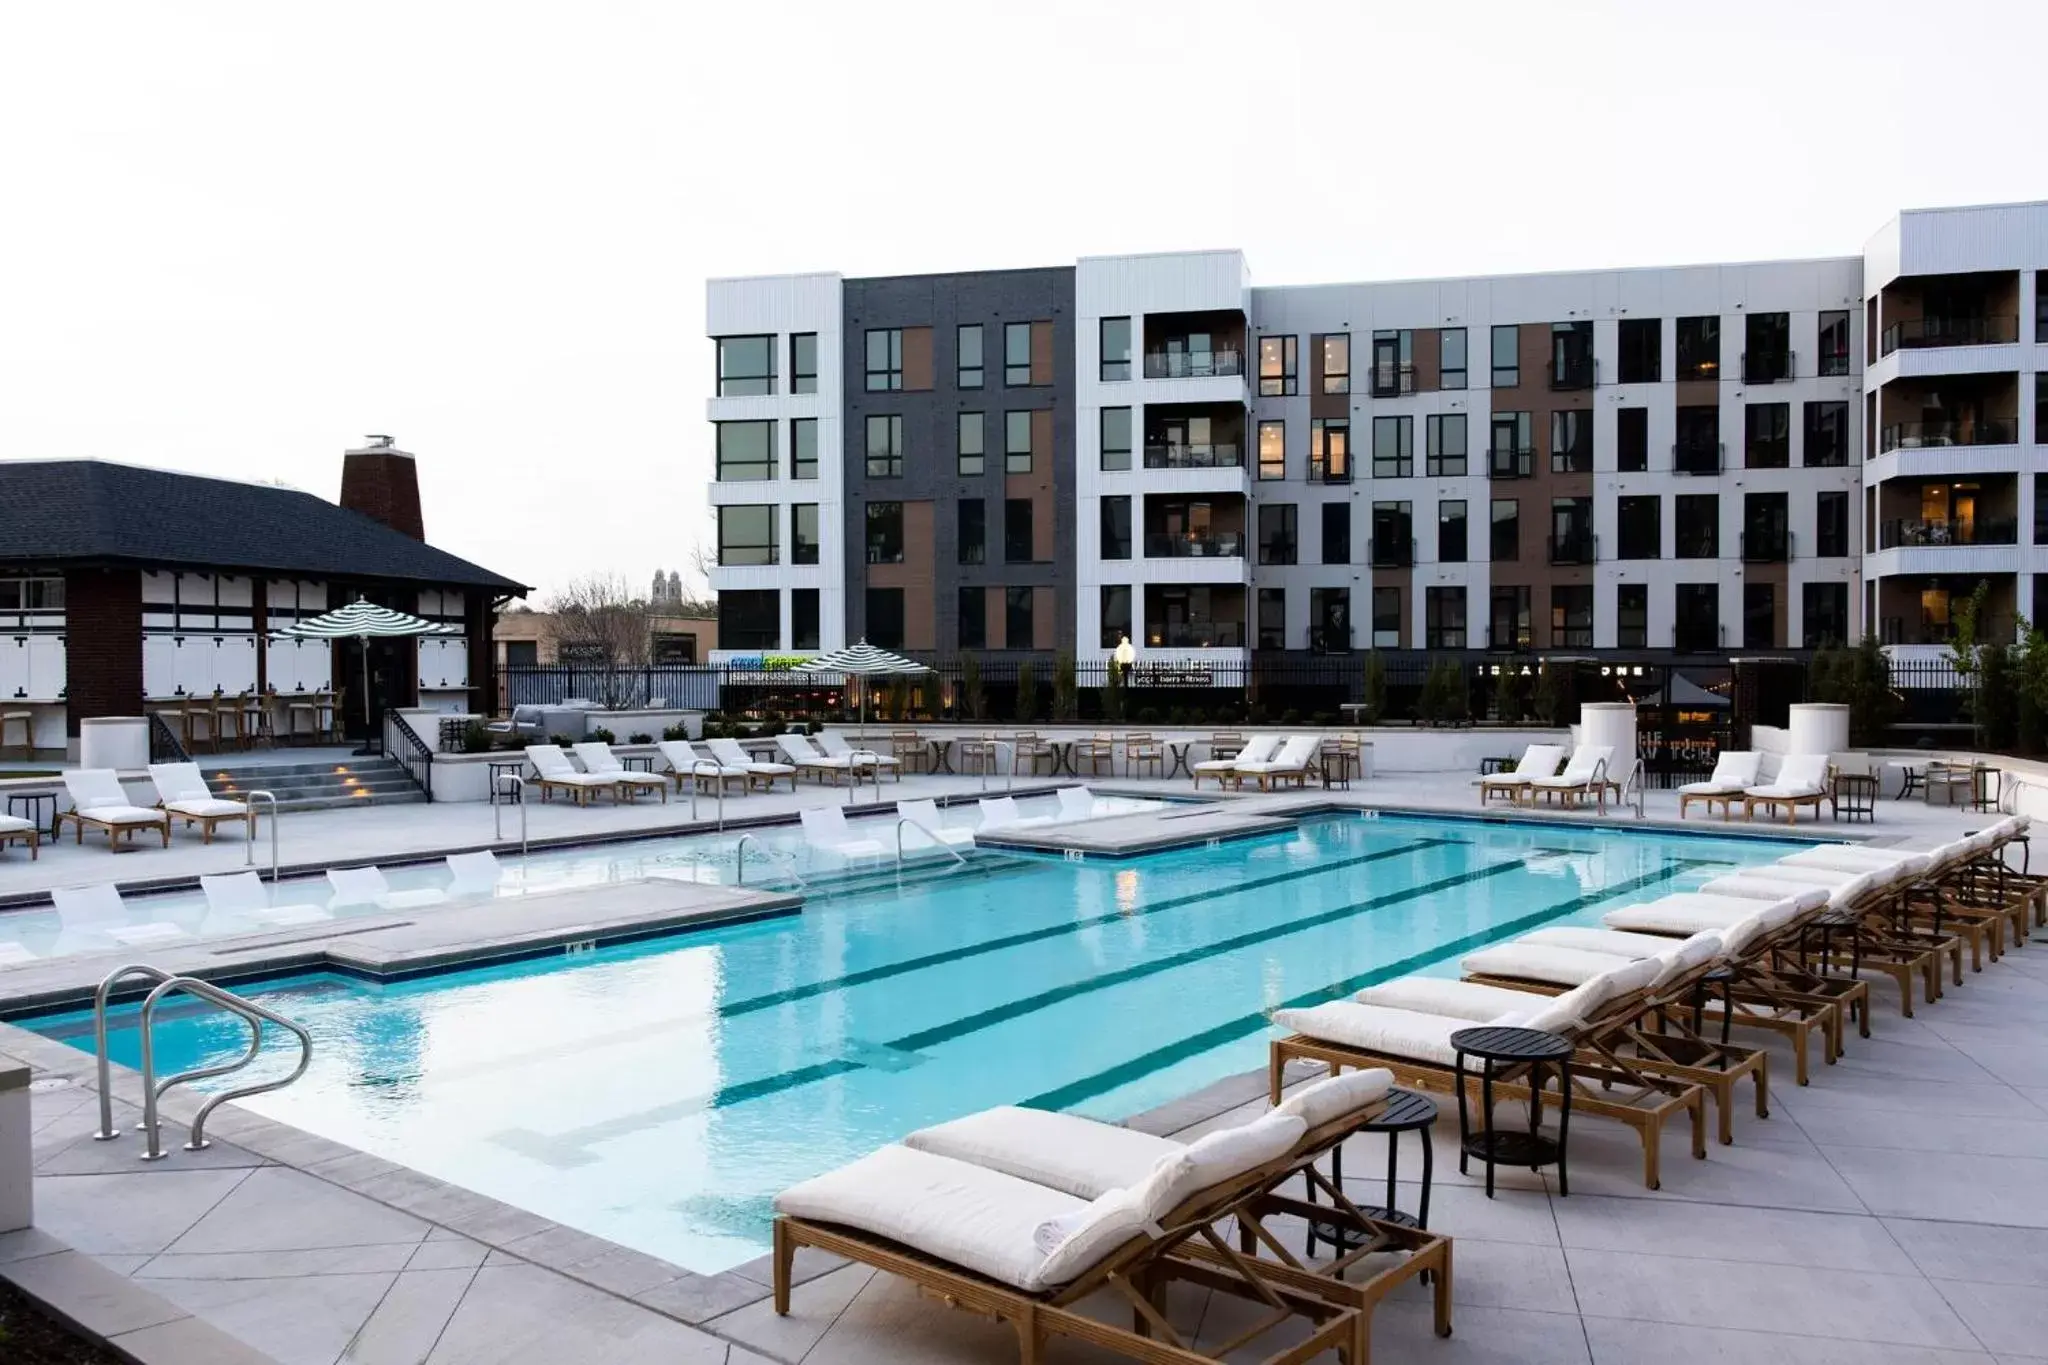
[
  {"x": 835, "y": 746},
  {"x": 1001, "y": 812},
  {"x": 1076, "y": 803},
  {"x": 1733, "y": 773},
  {"x": 243, "y": 893},
  {"x": 1289, "y": 765},
  {"x": 182, "y": 791},
  {"x": 97, "y": 799},
  {"x": 15, "y": 830},
  {"x": 99, "y": 909},
  {"x": 729, "y": 752},
  {"x": 367, "y": 886},
  {"x": 552, "y": 769},
  {"x": 1585, "y": 774},
  {"x": 1257, "y": 749},
  {"x": 473, "y": 874},
  {"x": 1689, "y": 912},
  {"x": 1802, "y": 780},
  {"x": 1538, "y": 760},
  {"x": 827, "y": 831},
  {"x": 685, "y": 764},
  {"x": 926, "y": 813},
  {"x": 799, "y": 751},
  {"x": 598, "y": 758}
]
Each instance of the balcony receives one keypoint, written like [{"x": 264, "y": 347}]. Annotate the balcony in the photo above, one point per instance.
[
  {"x": 1918, "y": 532},
  {"x": 1510, "y": 462},
  {"x": 1329, "y": 639},
  {"x": 1390, "y": 552},
  {"x": 1929, "y": 332},
  {"x": 1391, "y": 379},
  {"x": 1195, "y": 635},
  {"x": 1769, "y": 367},
  {"x": 1941, "y": 435},
  {"x": 1576, "y": 547},
  {"x": 1572, "y": 372},
  {"x": 1220, "y": 545},
  {"x": 1697, "y": 457},
  {"x": 1193, "y": 364},
  {"x": 1766, "y": 547},
  {"x": 1214, "y": 455}
]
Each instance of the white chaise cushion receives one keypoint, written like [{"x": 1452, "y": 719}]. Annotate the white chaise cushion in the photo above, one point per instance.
[
  {"x": 1211, "y": 1160},
  {"x": 1759, "y": 884},
  {"x": 1468, "y": 1000},
  {"x": 1684, "y": 914},
  {"x": 1538, "y": 962},
  {"x": 1331, "y": 1098},
  {"x": 1692, "y": 952},
  {"x": 1098, "y": 1230},
  {"x": 1377, "y": 1029},
  {"x": 14, "y": 824},
  {"x": 123, "y": 815},
  {"x": 1615, "y": 942},
  {"x": 1082, "y": 1157}
]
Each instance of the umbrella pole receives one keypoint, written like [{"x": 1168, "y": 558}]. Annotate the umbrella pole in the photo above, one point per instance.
[{"x": 369, "y": 744}]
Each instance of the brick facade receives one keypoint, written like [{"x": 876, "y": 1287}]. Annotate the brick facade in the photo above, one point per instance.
[
  {"x": 103, "y": 644},
  {"x": 384, "y": 485}
]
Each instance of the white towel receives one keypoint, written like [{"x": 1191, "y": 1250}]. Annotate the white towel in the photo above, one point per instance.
[{"x": 1053, "y": 1231}]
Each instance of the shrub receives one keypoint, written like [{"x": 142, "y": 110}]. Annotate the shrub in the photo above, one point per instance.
[
  {"x": 972, "y": 699},
  {"x": 476, "y": 738},
  {"x": 1114, "y": 693},
  {"x": 1321, "y": 718},
  {"x": 1510, "y": 691},
  {"x": 1148, "y": 715},
  {"x": 1066, "y": 694},
  {"x": 641, "y": 738},
  {"x": 560, "y": 741},
  {"x": 1375, "y": 689},
  {"x": 602, "y": 735},
  {"x": 1996, "y": 706},
  {"x": 1550, "y": 695},
  {"x": 1027, "y": 692},
  {"x": 1861, "y": 679},
  {"x": 1255, "y": 714},
  {"x": 677, "y": 731},
  {"x": 1290, "y": 717}
]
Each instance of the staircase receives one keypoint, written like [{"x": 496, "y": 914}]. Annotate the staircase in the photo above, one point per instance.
[{"x": 371, "y": 781}]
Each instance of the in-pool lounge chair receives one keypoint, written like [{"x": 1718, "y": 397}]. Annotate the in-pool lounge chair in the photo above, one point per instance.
[
  {"x": 182, "y": 791},
  {"x": 685, "y": 764},
  {"x": 597, "y": 758},
  {"x": 764, "y": 771},
  {"x": 97, "y": 800},
  {"x": 1538, "y": 760},
  {"x": 1002, "y": 812},
  {"x": 826, "y": 830},
  {"x": 473, "y": 874},
  {"x": 367, "y": 886},
  {"x": 1802, "y": 780},
  {"x": 870, "y": 755},
  {"x": 1734, "y": 773},
  {"x": 100, "y": 910},
  {"x": 15, "y": 830},
  {"x": 1076, "y": 803},
  {"x": 1584, "y": 775},
  {"x": 1223, "y": 771},
  {"x": 1021, "y": 1215},
  {"x": 929, "y": 826},
  {"x": 799, "y": 750},
  {"x": 1290, "y": 765},
  {"x": 246, "y": 894},
  {"x": 552, "y": 771}
]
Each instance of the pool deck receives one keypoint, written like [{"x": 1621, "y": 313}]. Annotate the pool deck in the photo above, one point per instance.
[{"x": 1896, "y": 1210}]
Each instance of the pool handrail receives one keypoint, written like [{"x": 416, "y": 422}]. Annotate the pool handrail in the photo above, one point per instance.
[
  {"x": 518, "y": 784},
  {"x": 937, "y": 842},
  {"x": 249, "y": 847},
  {"x": 251, "y": 1013},
  {"x": 702, "y": 768},
  {"x": 739, "y": 861},
  {"x": 107, "y": 1132}
]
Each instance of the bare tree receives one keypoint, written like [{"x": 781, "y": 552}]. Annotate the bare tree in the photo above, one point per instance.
[
  {"x": 687, "y": 602},
  {"x": 606, "y": 634}
]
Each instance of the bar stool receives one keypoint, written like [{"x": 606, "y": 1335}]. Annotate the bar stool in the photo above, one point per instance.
[
  {"x": 257, "y": 726},
  {"x": 199, "y": 724},
  {"x": 308, "y": 711},
  {"x": 227, "y": 718}
]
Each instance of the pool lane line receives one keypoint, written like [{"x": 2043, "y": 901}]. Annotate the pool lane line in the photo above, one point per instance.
[{"x": 1137, "y": 1068}]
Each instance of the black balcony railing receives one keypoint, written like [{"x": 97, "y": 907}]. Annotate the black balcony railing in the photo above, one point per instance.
[
  {"x": 1572, "y": 372},
  {"x": 1220, "y": 545},
  {"x": 1196, "y": 634},
  {"x": 1576, "y": 547},
  {"x": 1510, "y": 462},
  {"x": 1766, "y": 547},
  {"x": 1918, "y": 532},
  {"x": 1768, "y": 367},
  {"x": 1329, "y": 471},
  {"x": 1697, "y": 457},
  {"x": 1329, "y": 639},
  {"x": 1193, "y": 364},
  {"x": 1390, "y": 552},
  {"x": 1900, "y": 630},
  {"x": 1937, "y": 435},
  {"x": 1392, "y": 380},
  {"x": 1915, "y": 333},
  {"x": 1573, "y": 459},
  {"x": 1212, "y": 455}
]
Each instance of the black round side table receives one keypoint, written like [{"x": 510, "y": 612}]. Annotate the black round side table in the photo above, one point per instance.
[
  {"x": 1514, "y": 1047},
  {"x": 1406, "y": 1112}
]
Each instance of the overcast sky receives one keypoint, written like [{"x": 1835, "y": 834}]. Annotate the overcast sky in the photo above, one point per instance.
[{"x": 236, "y": 237}]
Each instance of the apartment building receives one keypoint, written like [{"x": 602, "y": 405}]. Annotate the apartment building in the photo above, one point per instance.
[{"x": 1686, "y": 461}]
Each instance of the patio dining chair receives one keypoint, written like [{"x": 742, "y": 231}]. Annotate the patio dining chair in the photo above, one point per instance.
[{"x": 1141, "y": 750}]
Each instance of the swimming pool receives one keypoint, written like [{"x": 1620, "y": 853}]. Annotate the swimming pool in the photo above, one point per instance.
[{"x": 660, "y": 1094}]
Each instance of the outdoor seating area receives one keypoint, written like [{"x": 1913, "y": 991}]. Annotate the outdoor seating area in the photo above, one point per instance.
[{"x": 239, "y": 721}]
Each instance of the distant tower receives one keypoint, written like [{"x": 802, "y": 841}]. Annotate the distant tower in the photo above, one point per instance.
[
  {"x": 660, "y": 589},
  {"x": 675, "y": 586}
]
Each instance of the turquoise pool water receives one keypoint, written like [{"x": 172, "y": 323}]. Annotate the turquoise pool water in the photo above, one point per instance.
[{"x": 659, "y": 1094}]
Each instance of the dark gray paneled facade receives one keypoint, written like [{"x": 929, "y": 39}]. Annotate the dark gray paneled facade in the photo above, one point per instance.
[{"x": 930, "y": 424}]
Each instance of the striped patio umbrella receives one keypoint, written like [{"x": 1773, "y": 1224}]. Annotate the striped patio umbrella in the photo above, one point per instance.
[
  {"x": 863, "y": 660},
  {"x": 363, "y": 621}
]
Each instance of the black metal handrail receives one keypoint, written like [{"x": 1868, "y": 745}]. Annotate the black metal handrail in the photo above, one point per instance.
[
  {"x": 1916, "y": 532},
  {"x": 1769, "y": 367},
  {"x": 1766, "y": 547},
  {"x": 414, "y": 755},
  {"x": 1193, "y": 364},
  {"x": 1572, "y": 372},
  {"x": 1510, "y": 462},
  {"x": 1937, "y": 435},
  {"x": 1698, "y": 457},
  {"x": 1392, "y": 379},
  {"x": 1217, "y": 545},
  {"x": 1581, "y": 548},
  {"x": 1914, "y": 333},
  {"x": 1208, "y": 455},
  {"x": 164, "y": 744},
  {"x": 1327, "y": 471},
  {"x": 1197, "y": 635}
]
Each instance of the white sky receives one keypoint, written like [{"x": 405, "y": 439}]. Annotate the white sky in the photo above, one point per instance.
[{"x": 236, "y": 237}]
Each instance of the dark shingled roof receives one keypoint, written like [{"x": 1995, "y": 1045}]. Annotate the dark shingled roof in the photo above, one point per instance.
[{"x": 54, "y": 512}]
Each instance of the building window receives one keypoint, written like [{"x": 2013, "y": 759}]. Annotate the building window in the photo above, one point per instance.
[
  {"x": 885, "y": 447},
  {"x": 1451, "y": 368},
  {"x": 1444, "y": 439},
  {"x": 1571, "y": 617},
  {"x": 1443, "y": 618},
  {"x": 973, "y": 545},
  {"x": 803, "y": 448},
  {"x": 1278, "y": 367},
  {"x": 1632, "y": 616},
  {"x": 750, "y": 618},
  {"x": 1329, "y": 618},
  {"x": 1272, "y": 618},
  {"x": 1639, "y": 530},
  {"x": 1116, "y": 614},
  {"x": 1393, "y": 363},
  {"x": 1698, "y": 448},
  {"x": 1767, "y": 436},
  {"x": 1393, "y": 535},
  {"x": 885, "y": 617},
  {"x": 1393, "y": 448},
  {"x": 1116, "y": 349},
  {"x": 803, "y": 533},
  {"x": 1017, "y": 618},
  {"x": 1697, "y": 521},
  {"x": 1329, "y": 450},
  {"x": 1631, "y": 440},
  {"x": 1571, "y": 442},
  {"x": 1824, "y": 615},
  {"x": 1571, "y": 355},
  {"x": 1511, "y": 625},
  {"x": 1514, "y": 446},
  {"x": 1116, "y": 528},
  {"x": 2041, "y": 408},
  {"x": 746, "y": 451},
  {"x": 746, "y": 535},
  {"x": 885, "y": 532},
  {"x": 1641, "y": 358},
  {"x": 1337, "y": 532},
  {"x": 1116, "y": 438},
  {"x": 1450, "y": 532},
  {"x": 1759, "y": 615},
  {"x": 1766, "y": 528},
  {"x": 1834, "y": 342},
  {"x": 885, "y": 360},
  {"x": 969, "y": 372},
  {"x": 970, "y": 450},
  {"x": 1699, "y": 347},
  {"x": 1276, "y": 533},
  {"x": 1827, "y": 436},
  {"x": 973, "y": 615},
  {"x": 803, "y": 362},
  {"x": 1337, "y": 363},
  {"x": 746, "y": 366},
  {"x": 1272, "y": 450},
  {"x": 1016, "y": 354},
  {"x": 1017, "y": 530},
  {"x": 1697, "y": 617},
  {"x": 1507, "y": 356},
  {"x": 1571, "y": 531},
  {"x": 518, "y": 653},
  {"x": 1017, "y": 443},
  {"x": 1831, "y": 525},
  {"x": 1505, "y": 539}
]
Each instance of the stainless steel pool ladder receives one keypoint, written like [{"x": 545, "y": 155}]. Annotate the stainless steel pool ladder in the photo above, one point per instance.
[
  {"x": 856, "y": 759},
  {"x": 249, "y": 846},
  {"x": 1001, "y": 746},
  {"x": 509, "y": 784},
  {"x": 167, "y": 983},
  {"x": 703, "y": 768},
  {"x": 739, "y": 861},
  {"x": 937, "y": 842}
]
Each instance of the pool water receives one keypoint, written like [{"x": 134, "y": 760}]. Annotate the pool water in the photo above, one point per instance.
[{"x": 660, "y": 1094}]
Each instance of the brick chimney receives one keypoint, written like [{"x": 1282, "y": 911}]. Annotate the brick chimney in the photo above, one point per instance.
[{"x": 380, "y": 481}]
